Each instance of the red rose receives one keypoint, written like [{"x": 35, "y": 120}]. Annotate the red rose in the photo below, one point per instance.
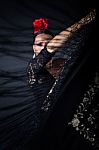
[{"x": 40, "y": 24}]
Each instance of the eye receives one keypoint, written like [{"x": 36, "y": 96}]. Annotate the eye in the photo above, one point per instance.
[{"x": 39, "y": 44}]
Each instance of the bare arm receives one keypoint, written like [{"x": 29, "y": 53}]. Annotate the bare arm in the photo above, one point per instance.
[{"x": 59, "y": 40}]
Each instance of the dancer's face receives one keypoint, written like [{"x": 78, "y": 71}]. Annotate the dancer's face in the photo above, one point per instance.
[{"x": 40, "y": 42}]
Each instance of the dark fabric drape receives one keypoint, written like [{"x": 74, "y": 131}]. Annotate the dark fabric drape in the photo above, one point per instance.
[
  {"x": 57, "y": 133},
  {"x": 19, "y": 115}
]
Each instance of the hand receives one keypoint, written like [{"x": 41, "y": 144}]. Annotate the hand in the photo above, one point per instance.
[{"x": 89, "y": 18}]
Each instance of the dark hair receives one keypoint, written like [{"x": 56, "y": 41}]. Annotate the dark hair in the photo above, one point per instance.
[
  {"x": 41, "y": 32},
  {"x": 46, "y": 32},
  {"x": 41, "y": 26}
]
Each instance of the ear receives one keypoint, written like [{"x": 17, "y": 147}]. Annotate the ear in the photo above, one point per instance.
[{"x": 43, "y": 44}]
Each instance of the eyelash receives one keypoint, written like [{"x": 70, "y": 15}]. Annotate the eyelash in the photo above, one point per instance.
[{"x": 39, "y": 44}]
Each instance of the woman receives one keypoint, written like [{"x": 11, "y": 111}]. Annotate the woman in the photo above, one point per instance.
[{"x": 44, "y": 47}]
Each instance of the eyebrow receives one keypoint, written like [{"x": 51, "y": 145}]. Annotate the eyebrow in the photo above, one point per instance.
[{"x": 40, "y": 43}]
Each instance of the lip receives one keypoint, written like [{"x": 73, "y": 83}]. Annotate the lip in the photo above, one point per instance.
[{"x": 37, "y": 51}]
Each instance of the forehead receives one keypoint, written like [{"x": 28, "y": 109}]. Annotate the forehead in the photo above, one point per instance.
[{"x": 43, "y": 37}]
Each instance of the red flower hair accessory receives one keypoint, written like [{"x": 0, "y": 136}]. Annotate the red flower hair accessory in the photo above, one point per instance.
[{"x": 40, "y": 24}]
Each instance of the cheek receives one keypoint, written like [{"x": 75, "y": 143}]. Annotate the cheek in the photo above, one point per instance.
[{"x": 37, "y": 49}]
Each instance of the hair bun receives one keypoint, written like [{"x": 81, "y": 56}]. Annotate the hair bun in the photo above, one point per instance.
[{"x": 40, "y": 24}]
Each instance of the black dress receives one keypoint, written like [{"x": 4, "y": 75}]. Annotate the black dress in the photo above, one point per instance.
[
  {"x": 37, "y": 73},
  {"x": 39, "y": 78},
  {"x": 40, "y": 82}
]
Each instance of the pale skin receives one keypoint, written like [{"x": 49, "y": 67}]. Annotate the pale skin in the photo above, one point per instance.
[
  {"x": 53, "y": 44},
  {"x": 43, "y": 39}
]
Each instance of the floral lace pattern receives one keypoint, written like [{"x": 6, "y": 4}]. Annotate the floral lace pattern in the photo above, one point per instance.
[{"x": 86, "y": 118}]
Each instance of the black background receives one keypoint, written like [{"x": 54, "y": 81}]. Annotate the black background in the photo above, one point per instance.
[{"x": 16, "y": 34}]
